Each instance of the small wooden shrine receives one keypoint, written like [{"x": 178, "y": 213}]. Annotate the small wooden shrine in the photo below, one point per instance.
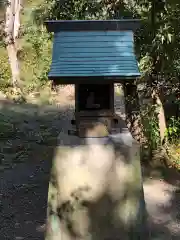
[{"x": 94, "y": 55}]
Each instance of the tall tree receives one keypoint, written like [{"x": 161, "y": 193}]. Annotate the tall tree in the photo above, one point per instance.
[
  {"x": 12, "y": 26},
  {"x": 156, "y": 42}
]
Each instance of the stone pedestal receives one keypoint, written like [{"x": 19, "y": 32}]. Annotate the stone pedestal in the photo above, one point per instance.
[{"x": 96, "y": 193}]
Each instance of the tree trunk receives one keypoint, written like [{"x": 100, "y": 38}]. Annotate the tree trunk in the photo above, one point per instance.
[
  {"x": 156, "y": 68},
  {"x": 133, "y": 118},
  {"x": 161, "y": 116},
  {"x": 12, "y": 26}
]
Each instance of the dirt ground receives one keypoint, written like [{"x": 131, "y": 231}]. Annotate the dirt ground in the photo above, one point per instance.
[
  {"x": 23, "y": 201},
  {"x": 28, "y": 138},
  {"x": 162, "y": 202}
]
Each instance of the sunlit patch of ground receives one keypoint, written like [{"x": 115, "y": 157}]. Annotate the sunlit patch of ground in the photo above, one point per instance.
[{"x": 162, "y": 201}]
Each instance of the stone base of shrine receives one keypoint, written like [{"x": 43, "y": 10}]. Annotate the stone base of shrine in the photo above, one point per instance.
[{"x": 96, "y": 192}]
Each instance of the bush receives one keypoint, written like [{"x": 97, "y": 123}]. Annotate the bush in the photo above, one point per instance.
[
  {"x": 173, "y": 129},
  {"x": 5, "y": 74}
]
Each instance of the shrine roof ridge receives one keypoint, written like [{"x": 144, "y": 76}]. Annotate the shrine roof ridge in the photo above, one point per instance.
[{"x": 93, "y": 25}]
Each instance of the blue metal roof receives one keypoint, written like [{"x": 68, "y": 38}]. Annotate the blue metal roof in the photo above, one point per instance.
[
  {"x": 89, "y": 49},
  {"x": 95, "y": 53}
]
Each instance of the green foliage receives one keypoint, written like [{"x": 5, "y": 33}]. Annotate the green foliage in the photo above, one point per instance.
[
  {"x": 151, "y": 127},
  {"x": 34, "y": 54},
  {"x": 159, "y": 36},
  {"x": 5, "y": 75},
  {"x": 37, "y": 44},
  {"x": 173, "y": 129},
  {"x": 67, "y": 10}
]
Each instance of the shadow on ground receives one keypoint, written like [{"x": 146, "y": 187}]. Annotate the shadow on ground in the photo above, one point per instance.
[{"x": 28, "y": 137}]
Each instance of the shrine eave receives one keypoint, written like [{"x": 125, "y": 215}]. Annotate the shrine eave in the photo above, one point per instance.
[
  {"x": 92, "y": 25},
  {"x": 91, "y": 79}
]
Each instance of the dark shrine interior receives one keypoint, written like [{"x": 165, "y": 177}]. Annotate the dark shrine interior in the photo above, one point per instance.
[{"x": 101, "y": 94}]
